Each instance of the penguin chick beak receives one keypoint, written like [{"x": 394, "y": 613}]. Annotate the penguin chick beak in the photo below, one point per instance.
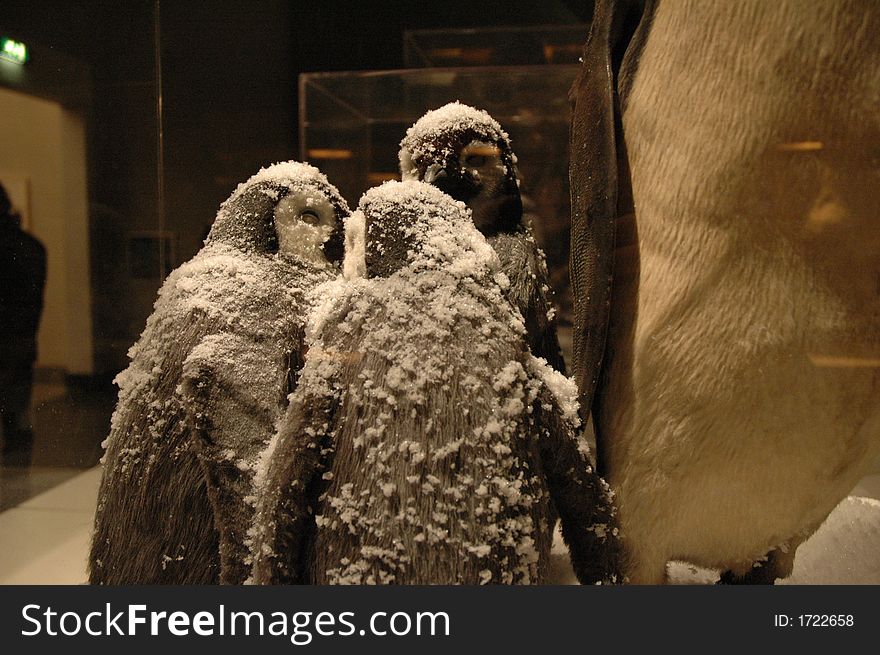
[
  {"x": 458, "y": 183},
  {"x": 434, "y": 172}
]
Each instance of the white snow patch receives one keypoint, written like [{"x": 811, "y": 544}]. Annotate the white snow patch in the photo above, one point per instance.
[
  {"x": 563, "y": 388},
  {"x": 283, "y": 173},
  {"x": 354, "y": 265}
]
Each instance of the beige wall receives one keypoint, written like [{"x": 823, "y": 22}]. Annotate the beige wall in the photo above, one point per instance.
[{"x": 42, "y": 142}]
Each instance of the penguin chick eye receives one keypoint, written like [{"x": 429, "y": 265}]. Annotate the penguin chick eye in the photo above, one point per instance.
[
  {"x": 310, "y": 216},
  {"x": 477, "y": 154},
  {"x": 475, "y": 161}
]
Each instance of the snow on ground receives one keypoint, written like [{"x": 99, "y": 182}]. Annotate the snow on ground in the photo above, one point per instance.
[{"x": 845, "y": 550}]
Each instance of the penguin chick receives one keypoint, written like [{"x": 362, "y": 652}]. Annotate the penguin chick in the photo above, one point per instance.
[
  {"x": 207, "y": 381},
  {"x": 464, "y": 152},
  {"x": 424, "y": 444}
]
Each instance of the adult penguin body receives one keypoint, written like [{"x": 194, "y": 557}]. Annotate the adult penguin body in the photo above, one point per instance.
[
  {"x": 464, "y": 152},
  {"x": 725, "y": 177},
  {"x": 423, "y": 433},
  {"x": 207, "y": 380}
]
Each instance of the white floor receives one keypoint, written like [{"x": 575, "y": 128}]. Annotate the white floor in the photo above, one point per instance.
[{"x": 45, "y": 540}]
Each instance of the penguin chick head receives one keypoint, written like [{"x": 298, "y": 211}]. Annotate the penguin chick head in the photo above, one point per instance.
[
  {"x": 464, "y": 152},
  {"x": 288, "y": 209},
  {"x": 415, "y": 226}
]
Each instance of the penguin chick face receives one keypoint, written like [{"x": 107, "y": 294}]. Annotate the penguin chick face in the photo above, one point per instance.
[
  {"x": 480, "y": 163},
  {"x": 289, "y": 209},
  {"x": 304, "y": 222},
  {"x": 464, "y": 152}
]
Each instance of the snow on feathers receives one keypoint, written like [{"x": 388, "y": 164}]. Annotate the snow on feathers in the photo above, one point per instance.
[
  {"x": 234, "y": 312},
  {"x": 418, "y": 393},
  {"x": 429, "y": 136}
]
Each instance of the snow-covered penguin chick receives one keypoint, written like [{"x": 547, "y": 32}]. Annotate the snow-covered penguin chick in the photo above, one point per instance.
[
  {"x": 424, "y": 444},
  {"x": 208, "y": 379},
  {"x": 464, "y": 152}
]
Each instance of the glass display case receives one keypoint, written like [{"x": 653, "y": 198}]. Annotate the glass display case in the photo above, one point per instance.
[
  {"x": 494, "y": 46},
  {"x": 351, "y": 125}
]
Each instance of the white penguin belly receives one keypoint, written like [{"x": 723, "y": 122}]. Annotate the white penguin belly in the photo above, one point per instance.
[
  {"x": 742, "y": 432},
  {"x": 744, "y": 398}
]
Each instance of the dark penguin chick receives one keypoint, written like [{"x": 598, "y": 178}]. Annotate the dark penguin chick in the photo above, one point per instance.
[
  {"x": 208, "y": 379},
  {"x": 464, "y": 152},
  {"x": 424, "y": 444}
]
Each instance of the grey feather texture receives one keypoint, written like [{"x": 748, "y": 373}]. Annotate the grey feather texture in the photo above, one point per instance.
[
  {"x": 424, "y": 444},
  {"x": 207, "y": 380}
]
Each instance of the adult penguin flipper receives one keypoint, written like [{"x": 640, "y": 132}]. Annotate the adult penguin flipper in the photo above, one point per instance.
[
  {"x": 232, "y": 409},
  {"x": 597, "y": 157},
  {"x": 593, "y": 178}
]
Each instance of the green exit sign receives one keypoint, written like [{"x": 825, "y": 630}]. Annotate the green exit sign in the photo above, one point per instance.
[{"x": 14, "y": 51}]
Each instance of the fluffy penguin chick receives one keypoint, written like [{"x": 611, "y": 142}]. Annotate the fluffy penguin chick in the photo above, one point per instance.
[
  {"x": 424, "y": 437},
  {"x": 464, "y": 152},
  {"x": 208, "y": 380}
]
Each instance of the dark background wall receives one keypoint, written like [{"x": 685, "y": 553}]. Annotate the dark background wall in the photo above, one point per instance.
[{"x": 229, "y": 74}]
